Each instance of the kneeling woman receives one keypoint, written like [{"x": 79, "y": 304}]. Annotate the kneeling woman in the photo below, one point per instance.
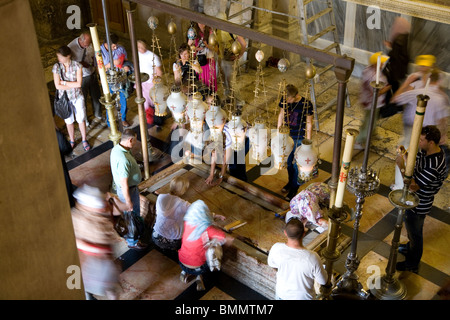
[
  {"x": 198, "y": 230},
  {"x": 170, "y": 211}
]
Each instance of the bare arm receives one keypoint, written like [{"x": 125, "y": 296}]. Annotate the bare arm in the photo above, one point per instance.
[
  {"x": 280, "y": 118},
  {"x": 126, "y": 194}
]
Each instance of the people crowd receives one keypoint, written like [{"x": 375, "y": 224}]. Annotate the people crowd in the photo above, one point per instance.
[{"x": 183, "y": 229}]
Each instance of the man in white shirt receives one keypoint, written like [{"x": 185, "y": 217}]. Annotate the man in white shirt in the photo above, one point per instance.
[
  {"x": 150, "y": 64},
  {"x": 297, "y": 266},
  {"x": 83, "y": 52}
]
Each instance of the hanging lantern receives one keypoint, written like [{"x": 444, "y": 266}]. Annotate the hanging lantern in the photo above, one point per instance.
[
  {"x": 212, "y": 40},
  {"x": 283, "y": 64},
  {"x": 176, "y": 103},
  {"x": 310, "y": 72},
  {"x": 259, "y": 55},
  {"x": 158, "y": 94},
  {"x": 191, "y": 33},
  {"x": 281, "y": 145},
  {"x": 237, "y": 128},
  {"x": 172, "y": 28},
  {"x": 153, "y": 22},
  {"x": 215, "y": 117},
  {"x": 196, "y": 110},
  {"x": 306, "y": 158},
  {"x": 236, "y": 47},
  {"x": 258, "y": 140}
]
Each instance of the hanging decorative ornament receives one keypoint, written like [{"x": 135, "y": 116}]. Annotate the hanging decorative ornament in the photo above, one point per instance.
[
  {"x": 215, "y": 117},
  {"x": 237, "y": 128},
  {"x": 310, "y": 72},
  {"x": 176, "y": 102},
  {"x": 153, "y": 22},
  {"x": 281, "y": 145},
  {"x": 283, "y": 64},
  {"x": 172, "y": 28},
  {"x": 236, "y": 47},
  {"x": 306, "y": 158},
  {"x": 212, "y": 40},
  {"x": 259, "y": 55},
  {"x": 196, "y": 110},
  {"x": 191, "y": 33},
  {"x": 258, "y": 140},
  {"x": 158, "y": 93}
]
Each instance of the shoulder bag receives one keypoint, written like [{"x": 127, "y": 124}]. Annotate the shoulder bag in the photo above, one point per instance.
[
  {"x": 63, "y": 106},
  {"x": 119, "y": 222}
]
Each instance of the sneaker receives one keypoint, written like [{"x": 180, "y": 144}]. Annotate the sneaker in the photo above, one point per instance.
[
  {"x": 286, "y": 188},
  {"x": 401, "y": 266},
  {"x": 358, "y": 146},
  {"x": 125, "y": 124},
  {"x": 200, "y": 284},
  {"x": 183, "y": 277},
  {"x": 138, "y": 246}
]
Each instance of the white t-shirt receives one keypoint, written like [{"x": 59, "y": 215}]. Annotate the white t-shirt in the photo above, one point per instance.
[
  {"x": 297, "y": 270},
  {"x": 77, "y": 55},
  {"x": 146, "y": 62},
  {"x": 170, "y": 211}
]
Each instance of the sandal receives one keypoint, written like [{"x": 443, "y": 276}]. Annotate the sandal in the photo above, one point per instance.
[
  {"x": 86, "y": 147},
  {"x": 72, "y": 144}
]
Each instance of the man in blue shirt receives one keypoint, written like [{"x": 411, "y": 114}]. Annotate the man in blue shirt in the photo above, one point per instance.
[
  {"x": 299, "y": 119},
  {"x": 120, "y": 61}
]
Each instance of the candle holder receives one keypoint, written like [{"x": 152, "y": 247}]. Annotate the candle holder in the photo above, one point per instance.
[
  {"x": 362, "y": 183},
  {"x": 403, "y": 199}
]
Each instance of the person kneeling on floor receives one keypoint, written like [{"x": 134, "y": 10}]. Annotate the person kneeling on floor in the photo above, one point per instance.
[{"x": 198, "y": 231}]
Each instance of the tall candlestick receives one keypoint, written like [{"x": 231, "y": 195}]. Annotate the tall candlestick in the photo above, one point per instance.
[
  {"x": 99, "y": 57},
  {"x": 378, "y": 69},
  {"x": 415, "y": 135},
  {"x": 346, "y": 159},
  {"x": 427, "y": 84}
]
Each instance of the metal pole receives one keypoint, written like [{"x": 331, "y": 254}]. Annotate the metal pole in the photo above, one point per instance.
[
  {"x": 108, "y": 37},
  {"x": 131, "y": 8}
]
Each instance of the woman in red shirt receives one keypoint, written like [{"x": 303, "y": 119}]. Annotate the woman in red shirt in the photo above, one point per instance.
[{"x": 198, "y": 230}]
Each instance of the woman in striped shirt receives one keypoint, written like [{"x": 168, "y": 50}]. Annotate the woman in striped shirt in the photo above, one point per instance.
[{"x": 428, "y": 177}]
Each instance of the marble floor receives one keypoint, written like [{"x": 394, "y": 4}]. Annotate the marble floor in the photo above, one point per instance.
[{"x": 154, "y": 275}]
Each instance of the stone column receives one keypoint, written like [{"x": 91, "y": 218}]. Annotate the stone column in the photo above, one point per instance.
[{"x": 37, "y": 242}]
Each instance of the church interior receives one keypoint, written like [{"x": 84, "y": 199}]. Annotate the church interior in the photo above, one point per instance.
[{"x": 37, "y": 240}]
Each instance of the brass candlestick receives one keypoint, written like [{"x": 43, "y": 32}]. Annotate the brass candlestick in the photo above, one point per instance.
[
  {"x": 107, "y": 99},
  {"x": 390, "y": 287},
  {"x": 337, "y": 214},
  {"x": 362, "y": 183}
]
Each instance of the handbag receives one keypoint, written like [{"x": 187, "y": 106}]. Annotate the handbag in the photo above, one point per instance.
[
  {"x": 202, "y": 60},
  {"x": 119, "y": 222},
  {"x": 62, "y": 105}
]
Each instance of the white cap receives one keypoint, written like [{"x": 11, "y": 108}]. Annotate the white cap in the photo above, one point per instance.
[{"x": 90, "y": 197}]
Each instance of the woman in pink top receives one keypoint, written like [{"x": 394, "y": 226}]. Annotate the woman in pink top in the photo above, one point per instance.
[{"x": 198, "y": 230}]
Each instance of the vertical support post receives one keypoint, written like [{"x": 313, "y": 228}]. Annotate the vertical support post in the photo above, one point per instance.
[
  {"x": 131, "y": 8},
  {"x": 106, "y": 100}
]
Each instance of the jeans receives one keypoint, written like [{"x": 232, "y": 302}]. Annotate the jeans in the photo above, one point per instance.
[
  {"x": 123, "y": 106},
  {"x": 90, "y": 86},
  {"x": 237, "y": 167},
  {"x": 414, "y": 227},
  {"x": 197, "y": 271},
  {"x": 292, "y": 168},
  {"x": 134, "y": 195}
]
